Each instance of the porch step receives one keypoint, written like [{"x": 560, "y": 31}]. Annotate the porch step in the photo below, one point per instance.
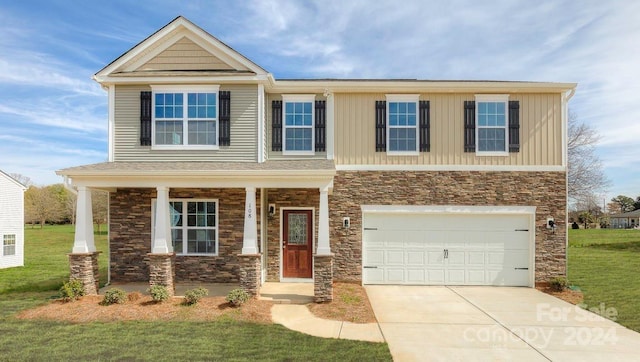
[{"x": 287, "y": 293}]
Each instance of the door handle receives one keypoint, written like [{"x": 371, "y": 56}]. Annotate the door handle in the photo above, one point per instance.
[{"x": 446, "y": 253}]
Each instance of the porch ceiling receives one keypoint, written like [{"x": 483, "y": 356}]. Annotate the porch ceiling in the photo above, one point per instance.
[{"x": 308, "y": 173}]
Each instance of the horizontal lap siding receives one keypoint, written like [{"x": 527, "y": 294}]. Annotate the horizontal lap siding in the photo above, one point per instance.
[
  {"x": 540, "y": 132},
  {"x": 244, "y": 115},
  {"x": 11, "y": 220},
  {"x": 185, "y": 55}
]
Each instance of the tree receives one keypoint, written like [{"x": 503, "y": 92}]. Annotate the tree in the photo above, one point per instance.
[
  {"x": 100, "y": 207},
  {"x": 585, "y": 175},
  {"x": 625, "y": 203},
  {"x": 40, "y": 205},
  {"x": 22, "y": 179}
]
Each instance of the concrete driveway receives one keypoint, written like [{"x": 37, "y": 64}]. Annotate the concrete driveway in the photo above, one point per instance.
[{"x": 495, "y": 324}]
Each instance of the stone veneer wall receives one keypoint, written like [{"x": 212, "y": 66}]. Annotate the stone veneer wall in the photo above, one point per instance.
[
  {"x": 545, "y": 190},
  {"x": 130, "y": 236},
  {"x": 307, "y": 198}
]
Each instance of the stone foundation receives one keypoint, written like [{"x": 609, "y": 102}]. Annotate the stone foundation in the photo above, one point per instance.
[
  {"x": 250, "y": 273},
  {"x": 323, "y": 278},
  {"x": 162, "y": 271},
  {"x": 84, "y": 267}
]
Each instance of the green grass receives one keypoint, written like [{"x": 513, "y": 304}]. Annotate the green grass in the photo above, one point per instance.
[
  {"x": 47, "y": 266},
  {"x": 605, "y": 264}
]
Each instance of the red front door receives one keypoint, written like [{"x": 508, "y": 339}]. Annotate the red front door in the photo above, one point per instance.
[{"x": 297, "y": 244}]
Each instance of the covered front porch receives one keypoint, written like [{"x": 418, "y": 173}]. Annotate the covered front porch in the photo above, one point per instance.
[{"x": 208, "y": 222}]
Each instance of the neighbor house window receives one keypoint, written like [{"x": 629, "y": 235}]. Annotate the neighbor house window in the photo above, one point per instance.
[
  {"x": 9, "y": 244},
  {"x": 298, "y": 124},
  {"x": 492, "y": 123},
  {"x": 185, "y": 117},
  {"x": 402, "y": 121},
  {"x": 194, "y": 226}
]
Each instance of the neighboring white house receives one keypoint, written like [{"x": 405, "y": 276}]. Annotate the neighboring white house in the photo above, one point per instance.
[{"x": 11, "y": 221}]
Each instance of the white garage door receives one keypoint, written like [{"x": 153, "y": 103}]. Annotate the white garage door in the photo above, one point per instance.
[{"x": 447, "y": 249}]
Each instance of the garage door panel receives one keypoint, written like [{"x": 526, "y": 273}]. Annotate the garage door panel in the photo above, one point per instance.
[{"x": 480, "y": 249}]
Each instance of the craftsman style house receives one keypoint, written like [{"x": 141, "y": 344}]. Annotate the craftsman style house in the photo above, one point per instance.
[{"x": 218, "y": 172}]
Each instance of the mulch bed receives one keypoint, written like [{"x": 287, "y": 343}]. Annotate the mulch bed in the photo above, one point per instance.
[
  {"x": 88, "y": 309},
  {"x": 568, "y": 295},
  {"x": 350, "y": 303}
]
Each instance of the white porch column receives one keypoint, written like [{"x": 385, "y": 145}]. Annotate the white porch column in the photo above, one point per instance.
[
  {"x": 83, "y": 241},
  {"x": 324, "y": 248},
  {"x": 161, "y": 243},
  {"x": 250, "y": 237}
]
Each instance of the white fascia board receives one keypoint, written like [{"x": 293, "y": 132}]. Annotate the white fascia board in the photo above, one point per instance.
[
  {"x": 448, "y": 209},
  {"x": 530, "y": 168},
  {"x": 181, "y": 79}
]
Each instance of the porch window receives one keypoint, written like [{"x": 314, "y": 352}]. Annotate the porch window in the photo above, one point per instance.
[
  {"x": 9, "y": 245},
  {"x": 194, "y": 226}
]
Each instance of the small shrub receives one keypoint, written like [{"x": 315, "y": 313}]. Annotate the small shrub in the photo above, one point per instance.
[
  {"x": 114, "y": 296},
  {"x": 559, "y": 284},
  {"x": 159, "y": 293},
  {"x": 72, "y": 290},
  {"x": 193, "y": 296},
  {"x": 237, "y": 297},
  {"x": 134, "y": 296}
]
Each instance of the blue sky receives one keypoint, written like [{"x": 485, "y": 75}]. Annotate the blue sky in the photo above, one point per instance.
[{"x": 52, "y": 115}]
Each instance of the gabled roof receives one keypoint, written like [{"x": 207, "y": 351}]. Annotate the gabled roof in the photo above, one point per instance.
[
  {"x": 634, "y": 213},
  {"x": 18, "y": 183},
  {"x": 145, "y": 58}
]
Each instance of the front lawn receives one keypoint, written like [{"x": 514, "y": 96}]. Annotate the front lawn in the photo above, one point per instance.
[
  {"x": 605, "y": 264},
  {"x": 46, "y": 267}
]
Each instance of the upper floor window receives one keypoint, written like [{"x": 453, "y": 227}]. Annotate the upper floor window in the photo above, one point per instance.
[
  {"x": 9, "y": 244},
  {"x": 492, "y": 123},
  {"x": 185, "y": 117},
  {"x": 402, "y": 120},
  {"x": 297, "y": 130}
]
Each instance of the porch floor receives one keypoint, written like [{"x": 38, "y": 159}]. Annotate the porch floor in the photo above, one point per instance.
[{"x": 280, "y": 293}]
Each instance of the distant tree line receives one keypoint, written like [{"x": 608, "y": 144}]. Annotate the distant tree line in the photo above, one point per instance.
[{"x": 55, "y": 204}]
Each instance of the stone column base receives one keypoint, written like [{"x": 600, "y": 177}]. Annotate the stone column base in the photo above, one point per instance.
[
  {"x": 323, "y": 278},
  {"x": 84, "y": 267},
  {"x": 250, "y": 273},
  {"x": 162, "y": 271}
]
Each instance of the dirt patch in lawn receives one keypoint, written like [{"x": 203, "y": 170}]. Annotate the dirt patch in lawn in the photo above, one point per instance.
[
  {"x": 88, "y": 309},
  {"x": 568, "y": 295},
  {"x": 350, "y": 303}
]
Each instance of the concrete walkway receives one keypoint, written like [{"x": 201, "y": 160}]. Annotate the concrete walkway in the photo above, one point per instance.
[
  {"x": 495, "y": 323},
  {"x": 298, "y": 318}
]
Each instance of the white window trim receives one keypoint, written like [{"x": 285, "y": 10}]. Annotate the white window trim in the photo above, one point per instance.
[
  {"x": 6, "y": 238},
  {"x": 403, "y": 98},
  {"x": 184, "y": 225},
  {"x": 213, "y": 88},
  {"x": 298, "y": 98},
  {"x": 493, "y": 98}
]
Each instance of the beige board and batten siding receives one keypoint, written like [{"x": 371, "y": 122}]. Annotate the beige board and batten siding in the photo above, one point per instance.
[
  {"x": 244, "y": 129},
  {"x": 540, "y": 132},
  {"x": 277, "y": 155}
]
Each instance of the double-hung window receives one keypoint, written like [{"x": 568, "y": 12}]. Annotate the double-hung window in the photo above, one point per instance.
[
  {"x": 9, "y": 244},
  {"x": 194, "y": 226},
  {"x": 402, "y": 124},
  {"x": 297, "y": 130},
  {"x": 491, "y": 125},
  {"x": 185, "y": 117}
]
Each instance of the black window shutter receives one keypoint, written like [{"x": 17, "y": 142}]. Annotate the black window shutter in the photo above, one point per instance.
[
  {"x": 224, "y": 100},
  {"x": 381, "y": 126},
  {"x": 514, "y": 126},
  {"x": 276, "y": 126},
  {"x": 320, "y": 127},
  {"x": 145, "y": 118},
  {"x": 425, "y": 126},
  {"x": 469, "y": 126}
]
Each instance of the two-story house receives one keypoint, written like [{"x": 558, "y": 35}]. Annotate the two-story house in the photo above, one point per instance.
[{"x": 218, "y": 172}]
